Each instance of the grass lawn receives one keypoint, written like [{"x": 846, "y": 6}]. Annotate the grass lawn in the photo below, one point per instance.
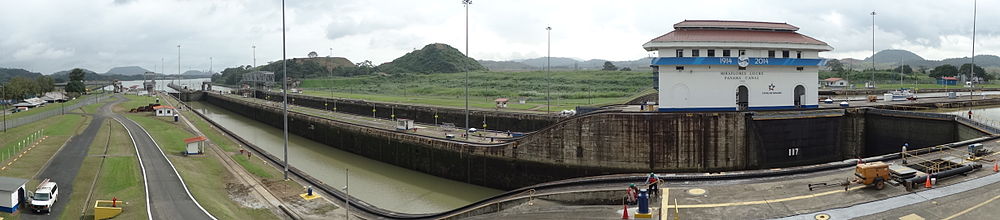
[
  {"x": 206, "y": 173},
  {"x": 568, "y": 89},
  {"x": 58, "y": 129}
]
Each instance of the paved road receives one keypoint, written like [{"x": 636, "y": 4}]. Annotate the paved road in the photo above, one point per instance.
[
  {"x": 167, "y": 195},
  {"x": 64, "y": 166}
]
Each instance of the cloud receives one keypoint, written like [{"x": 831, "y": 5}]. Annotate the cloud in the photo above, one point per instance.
[{"x": 53, "y": 35}]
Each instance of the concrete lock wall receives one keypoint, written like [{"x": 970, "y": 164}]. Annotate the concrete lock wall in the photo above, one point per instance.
[
  {"x": 495, "y": 120},
  {"x": 610, "y": 143}
]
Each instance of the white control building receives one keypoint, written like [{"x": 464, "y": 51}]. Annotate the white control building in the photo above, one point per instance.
[{"x": 709, "y": 65}]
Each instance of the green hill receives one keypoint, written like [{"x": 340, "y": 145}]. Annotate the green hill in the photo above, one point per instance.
[{"x": 433, "y": 58}]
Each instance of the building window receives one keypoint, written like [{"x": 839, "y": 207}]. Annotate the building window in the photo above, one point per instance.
[
  {"x": 743, "y": 68},
  {"x": 770, "y": 54},
  {"x": 679, "y": 67},
  {"x": 784, "y": 54},
  {"x": 680, "y": 52},
  {"x": 798, "y": 54},
  {"x": 743, "y": 52},
  {"x": 711, "y": 53},
  {"x": 694, "y": 53},
  {"x": 800, "y": 68},
  {"x": 725, "y": 53}
]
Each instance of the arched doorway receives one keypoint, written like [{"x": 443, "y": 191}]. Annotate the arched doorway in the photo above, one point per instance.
[
  {"x": 742, "y": 98},
  {"x": 20, "y": 198},
  {"x": 800, "y": 94}
]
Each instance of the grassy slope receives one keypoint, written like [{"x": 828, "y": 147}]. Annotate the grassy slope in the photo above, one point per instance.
[
  {"x": 121, "y": 176},
  {"x": 568, "y": 88},
  {"x": 58, "y": 129},
  {"x": 206, "y": 173}
]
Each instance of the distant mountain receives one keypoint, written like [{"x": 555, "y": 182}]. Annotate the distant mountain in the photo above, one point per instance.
[
  {"x": 66, "y": 72},
  {"x": 433, "y": 58},
  {"x": 195, "y": 73},
  {"x": 507, "y": 65},
  {"x": 563, "y": 63},
  {"x": 127, "y": 71},
  {"x": 6, "y": 74},
  {"x": 895, "y": 56}
]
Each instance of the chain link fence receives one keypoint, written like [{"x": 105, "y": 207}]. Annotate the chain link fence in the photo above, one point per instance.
[{"x": 15, "y": 122}]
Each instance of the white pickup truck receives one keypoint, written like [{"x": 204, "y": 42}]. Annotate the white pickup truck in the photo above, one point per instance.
[{"x": 44, "y": 197}]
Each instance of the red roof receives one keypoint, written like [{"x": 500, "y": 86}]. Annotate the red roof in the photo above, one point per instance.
[
  {"x": 501, "y": 100},
  {"x": 718, "y": 24},
  {"x": 163, "y": 106},
  {"x": 195, "y": 139},
  {"x": 832, "y": 79},
  {"x": 949, "y": 78},
  {"x": 702, "y": 35}
]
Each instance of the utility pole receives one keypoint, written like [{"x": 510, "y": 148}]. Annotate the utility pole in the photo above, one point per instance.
[
  {"x": 3, "y": 95},
  {"x": 178, "y": 63},
  {"x": 210, "y": 65},
  {"x": 284, "y": 84}
]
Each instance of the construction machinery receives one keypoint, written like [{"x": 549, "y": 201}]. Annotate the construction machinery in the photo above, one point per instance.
[{"x": 873, "y": 173}]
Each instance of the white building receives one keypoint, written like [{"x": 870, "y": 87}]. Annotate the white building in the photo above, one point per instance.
[
  {"x": 708, "y": 65},
  {"x": 164, "y": 111},
  {"x": 834, "y": 82}
]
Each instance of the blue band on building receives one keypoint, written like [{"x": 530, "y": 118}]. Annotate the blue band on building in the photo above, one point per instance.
[{"x": 734, "y": 61}]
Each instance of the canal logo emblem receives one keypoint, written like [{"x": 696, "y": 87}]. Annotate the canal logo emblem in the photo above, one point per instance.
[
  {"x": 770, "y": 87},
  {"x": 744, "y": 61}
]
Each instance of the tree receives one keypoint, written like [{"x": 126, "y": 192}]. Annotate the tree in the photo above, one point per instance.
[
  {"x": 906, "y": 69},
  {"x": 608, "y": 66},
  {"x": 45, "y": 84},
  {"x": 626, "y": 69},
  {"x": 944, "y": 70},
  {"x": 978, "y": 72},
  {"x": 835, "y": 65},
  {"x": 21, "y": 88},
  {"x": 76, "y": 74},
  {"x": 75, "y": 86}
]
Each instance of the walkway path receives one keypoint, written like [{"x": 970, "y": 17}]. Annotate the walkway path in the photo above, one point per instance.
[{"x": 167, "y": 195}]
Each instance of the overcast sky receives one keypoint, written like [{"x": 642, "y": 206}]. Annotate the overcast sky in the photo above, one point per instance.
[{"x": 52, "y": 35}]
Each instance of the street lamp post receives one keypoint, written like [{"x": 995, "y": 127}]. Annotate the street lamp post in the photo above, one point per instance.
[
  {"x": 466, "y": 3},
  {"x": 873, "y": 49},
  {"x": 284, "y": 84},
  {"x": 548, "y": 71},
  {"x": 254, "y": 85}
]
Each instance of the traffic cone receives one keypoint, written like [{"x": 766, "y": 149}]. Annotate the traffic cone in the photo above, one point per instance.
[
  {"x": 927, "y": 184},
  {"x": 996, "y": 168},
  {"x": 625, "y": 212}
]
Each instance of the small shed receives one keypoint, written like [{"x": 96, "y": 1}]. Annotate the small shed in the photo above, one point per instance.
[
  {"x": 164, "y": 110},
  {"x": 12, "y": 193},
  {"x": 501, "y": 102},
  {"x": 951, "y": 81},
  {"x": 195, "y": 145}
]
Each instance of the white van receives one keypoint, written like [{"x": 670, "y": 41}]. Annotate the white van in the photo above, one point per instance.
[{"x": 44, "y": 197}]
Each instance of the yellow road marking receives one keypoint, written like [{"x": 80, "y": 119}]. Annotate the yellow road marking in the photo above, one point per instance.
[
  {"x": 971, "y": 208},
  {"x": 758, "y": 202},
  {"x": 664, "y": 201}
]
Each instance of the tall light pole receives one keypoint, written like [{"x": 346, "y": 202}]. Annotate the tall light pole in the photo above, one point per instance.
[
  {"x": 3, "y": 95},
  {"x": 873, "y": 49},
  {"x": 548, "y": 72},
  {"x": 467, "y": 3},
  {"x": 284, "y": 84},
  {"x": 178, "y": 63},
  {"x": 973, "y": 67},
  {"x": 210, "y": 65}
]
